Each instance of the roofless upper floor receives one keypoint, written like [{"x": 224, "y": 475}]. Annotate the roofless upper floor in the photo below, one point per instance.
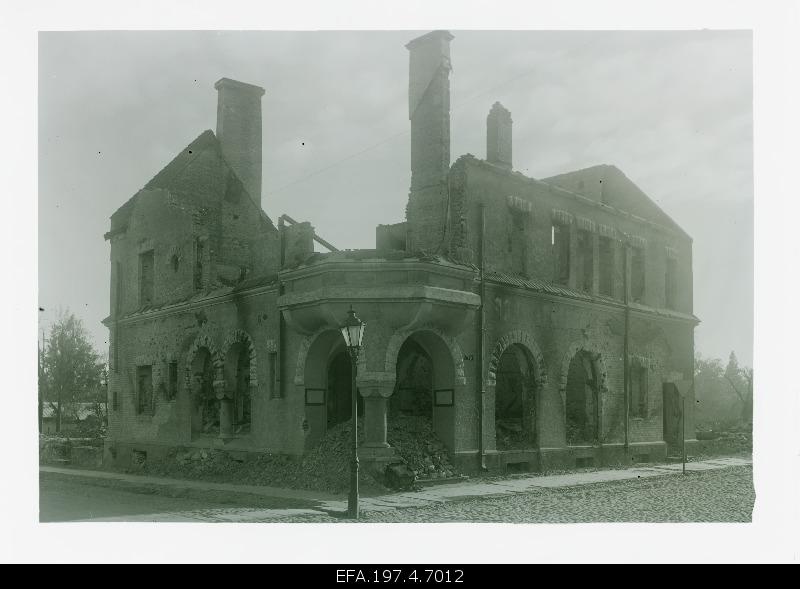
[{"x": 198, "y": 224}]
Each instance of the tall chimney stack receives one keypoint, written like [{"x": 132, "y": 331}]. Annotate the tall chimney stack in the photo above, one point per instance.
[
  {"x": 239, "y": 131},
  {"x": 429, "y": 112},
  {"x": 498, "y": 136}
]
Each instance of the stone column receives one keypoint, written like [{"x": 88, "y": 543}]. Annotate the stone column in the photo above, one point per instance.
[
  {"x": 225, "y": 409},
  {"x": 375, "y": 388},
  {"x": 225, "y": 417},
  {"x": 375, "y": 422}
]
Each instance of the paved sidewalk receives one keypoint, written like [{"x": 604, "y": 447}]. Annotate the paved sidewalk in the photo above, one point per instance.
[{"x": 320, "y": 503}]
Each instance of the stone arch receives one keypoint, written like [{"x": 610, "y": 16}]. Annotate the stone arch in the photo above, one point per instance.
[
  {"x": 399, "y": 337},
  {"x": 239, "y": 336},
  {"x": 203, "y": 340},
  {"x": 596, "y": 357},
  {"x": 584, "y": 410},
  {"x": 525, "y": 340},
  {"x": 305, "y": 347}
]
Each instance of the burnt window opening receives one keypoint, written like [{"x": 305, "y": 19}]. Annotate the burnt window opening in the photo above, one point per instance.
[
  {"x": 606, "y": 263},
  {"x": 115, "y": 400},
  {"x": 144, "y": 390},
  {"x": 242, "y": 402},
  {"x": 199, "y": 253},
  {"x": 172, "y": 381},
  {"x": 175, "y": 262},
  {"x": 671, "y": 283},
  {"x": 638, "y": 391},
  {"x": 582, "y": 405},
  {"x": 637, "y": 274},
  {"x": 517, "y": 243},
  {"x": 560, "y": 243},
  {"x": 146, "y": 267},
  {"x": 585, "y": 261}
]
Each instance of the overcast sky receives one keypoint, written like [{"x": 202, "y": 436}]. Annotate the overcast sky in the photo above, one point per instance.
[{"x": 672, "y": 110}]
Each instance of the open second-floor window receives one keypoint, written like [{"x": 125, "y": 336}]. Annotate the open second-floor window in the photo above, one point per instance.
[
  {"x": 585, "y": 261},
  {"x": 606, "y": 266},
  {"x": 199, "y": 261},
  {"x": 670, "y": 283},
  {"x": 172, "y": 381},
  {"x": 637, "y": 274},
  {"x": 560, "y": 243},
  {"x": 146, "y": 272}
]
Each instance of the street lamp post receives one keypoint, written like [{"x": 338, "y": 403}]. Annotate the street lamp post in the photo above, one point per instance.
[{"x": 353, "y": 334}]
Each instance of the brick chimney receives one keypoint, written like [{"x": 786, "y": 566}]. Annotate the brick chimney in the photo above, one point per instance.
[
  {"x": 429, "y": 112},
  {"x": 498, "y": 136},
  {"x": 239, "y": 131}
]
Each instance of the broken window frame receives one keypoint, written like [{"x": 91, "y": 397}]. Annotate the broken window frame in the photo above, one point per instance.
[
  {"x": 560, "y": 242},
  {"x": 172, "y": 381},
  {"x": 638, "y": 274},
  {"x": 585, "y": 255},
  {"x": 147, "y": 277},
  {"x": 199, "y": 264},
  {"x": 671, "y": 283},
  {"x": 606, "y": 265}
]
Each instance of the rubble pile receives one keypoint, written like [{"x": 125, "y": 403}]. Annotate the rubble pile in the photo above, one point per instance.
[
  {"x": 324, "y": 468},
  {"x": 419, "y": 447}
]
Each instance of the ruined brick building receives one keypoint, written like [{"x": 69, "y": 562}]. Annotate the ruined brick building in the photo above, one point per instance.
[{"x": 537, "y": 323}]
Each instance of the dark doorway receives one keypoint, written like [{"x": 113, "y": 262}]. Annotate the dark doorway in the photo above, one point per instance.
[
  {"x": 414, "y": 393},
  {"x": 338, "y": 400},
  {"x": 582, "y": 403},
  {"x": 514, "y": 412}
]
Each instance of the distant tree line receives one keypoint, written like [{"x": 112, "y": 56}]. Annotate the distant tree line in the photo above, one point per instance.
[
  {"x": 724, "y": 392},
  {"x": 71, "y": 373}
]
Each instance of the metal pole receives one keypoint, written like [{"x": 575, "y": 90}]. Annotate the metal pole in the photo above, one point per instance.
[
  {"x": 41, "y": 380},
  {"x": 482, "y": 341},
  {"x": 352, "y": 503},
  {"x": 59, "y": 352},
  {"x": 626, "y": 381},
  {"x": 683, "y": 431}
]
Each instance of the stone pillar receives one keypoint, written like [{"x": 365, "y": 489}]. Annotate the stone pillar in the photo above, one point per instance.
[
  {"x": 225, "y": 417},
  {"x": 375, "y": 422},
  {"x": 225, "y": 408},
  {"x": 375, "y": 388}
]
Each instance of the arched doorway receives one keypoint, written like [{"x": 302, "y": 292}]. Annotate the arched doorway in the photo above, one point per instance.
[
  {"x": 237, "y": 382},
  {"x": 582, "y": 400},
  {"x": 425, "y": 385},
  {"x": 205, "y": 407},
  {"x": 515, "y": 399},
  {"x": 338, "y": 398},
  {"x": 413, "y": 396},
  {"x": 327, "y": 384}
]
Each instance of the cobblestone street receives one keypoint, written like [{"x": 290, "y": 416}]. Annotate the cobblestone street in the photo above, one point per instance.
[
  {"x": 711, "y": 496},
  {"x": 714, "y": 491}
]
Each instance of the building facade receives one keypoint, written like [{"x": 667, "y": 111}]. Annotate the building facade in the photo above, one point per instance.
[{"x": 537, "y": 323}]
